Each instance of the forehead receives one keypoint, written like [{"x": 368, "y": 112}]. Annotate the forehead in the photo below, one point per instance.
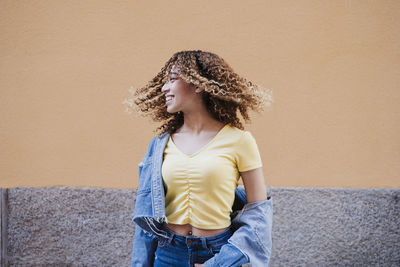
[{"x": 174, "y": 70}]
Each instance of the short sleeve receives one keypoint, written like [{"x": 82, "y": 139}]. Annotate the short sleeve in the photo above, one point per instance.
[{"x": 247, "y": 154}]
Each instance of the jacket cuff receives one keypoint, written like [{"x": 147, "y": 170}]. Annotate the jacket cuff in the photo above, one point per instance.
[
  {"x": 254, "y": 234},
  {"x": 229, "y": 256},
  {"x": 144, "y": 247}
]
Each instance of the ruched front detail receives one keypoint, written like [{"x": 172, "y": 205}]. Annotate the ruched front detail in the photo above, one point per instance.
[{"x": 201, "y": 187}]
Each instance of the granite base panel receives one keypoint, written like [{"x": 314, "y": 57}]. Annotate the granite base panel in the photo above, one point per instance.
[{"x": 71, "y": 226}]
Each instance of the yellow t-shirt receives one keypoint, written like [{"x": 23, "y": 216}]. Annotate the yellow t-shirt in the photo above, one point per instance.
[{"x": 201, "y": 187}]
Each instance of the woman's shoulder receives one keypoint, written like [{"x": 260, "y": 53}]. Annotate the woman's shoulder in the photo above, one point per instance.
[
  {"x": 157, "y": 140},
  {"x": 240, "y": 138},
  {"x": 160, "y": 136},
  {"x": 235, "y": 131}
]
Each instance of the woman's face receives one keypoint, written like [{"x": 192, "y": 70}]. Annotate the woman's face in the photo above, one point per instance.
[{"x": 179, "y": 95}]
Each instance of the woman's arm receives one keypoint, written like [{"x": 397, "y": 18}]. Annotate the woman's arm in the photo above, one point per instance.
[
  {"x": 253, "y": 181},
  {"x": 251, "y": 242}
]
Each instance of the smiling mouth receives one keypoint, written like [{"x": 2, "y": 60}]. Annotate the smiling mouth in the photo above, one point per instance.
[{"x": 168, "y": 99}]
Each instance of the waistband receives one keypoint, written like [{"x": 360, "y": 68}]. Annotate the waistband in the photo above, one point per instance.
[
  {"x": 223, "y": 234},
  {"x": 194, "y": 241}
]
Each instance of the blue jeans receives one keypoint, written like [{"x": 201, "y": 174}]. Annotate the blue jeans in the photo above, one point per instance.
[{"x": 185, "y": 251}]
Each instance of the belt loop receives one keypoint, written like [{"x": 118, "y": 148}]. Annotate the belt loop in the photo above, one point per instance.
[
  {"x": 171, "y": 236},
  {"x": 204, "y": 244}
]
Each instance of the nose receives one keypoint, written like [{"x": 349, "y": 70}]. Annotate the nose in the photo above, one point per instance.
[{"x": 164, "y": 87}]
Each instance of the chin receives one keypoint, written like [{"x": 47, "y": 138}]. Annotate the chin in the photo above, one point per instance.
[{"x": 172, "y": 111}]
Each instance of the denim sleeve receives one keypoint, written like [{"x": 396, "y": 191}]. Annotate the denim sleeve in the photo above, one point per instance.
[
  {"x": 144, "y": 247},
  {"x": 252, "y": 241}
]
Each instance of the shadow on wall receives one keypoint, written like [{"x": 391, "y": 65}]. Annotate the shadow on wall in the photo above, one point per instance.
[{"x": 93, "y": 226}]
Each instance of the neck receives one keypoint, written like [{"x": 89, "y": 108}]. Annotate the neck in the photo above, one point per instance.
[{"x": 198, "y": 121}]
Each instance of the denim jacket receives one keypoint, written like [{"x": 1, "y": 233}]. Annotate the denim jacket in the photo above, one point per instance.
[{"x": 252, "y": 222}]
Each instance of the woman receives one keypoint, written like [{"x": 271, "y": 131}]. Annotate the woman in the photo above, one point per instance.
[{"x": 199, "y": 156}]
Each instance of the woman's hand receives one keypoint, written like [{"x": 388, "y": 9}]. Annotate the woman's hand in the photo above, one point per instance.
[{"x": 199, "y": 265}]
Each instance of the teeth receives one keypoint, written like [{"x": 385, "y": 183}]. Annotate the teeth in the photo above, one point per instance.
[{"x": 168, "y": 98}]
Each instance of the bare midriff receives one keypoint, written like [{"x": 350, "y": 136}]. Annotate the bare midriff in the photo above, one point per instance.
[{"x": 188, "y": 229}]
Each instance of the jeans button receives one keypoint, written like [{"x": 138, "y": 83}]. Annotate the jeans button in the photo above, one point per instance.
[{"x": 189, "y": 242}]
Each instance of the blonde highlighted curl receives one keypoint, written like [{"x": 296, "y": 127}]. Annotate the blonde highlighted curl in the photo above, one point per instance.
[{"x": 225, "y": 92}]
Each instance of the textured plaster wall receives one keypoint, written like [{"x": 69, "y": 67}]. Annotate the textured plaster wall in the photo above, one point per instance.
[{"x": 68, "y": 226}]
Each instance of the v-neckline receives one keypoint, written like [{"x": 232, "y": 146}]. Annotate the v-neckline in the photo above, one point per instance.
[{"x": 203, "y": 147}]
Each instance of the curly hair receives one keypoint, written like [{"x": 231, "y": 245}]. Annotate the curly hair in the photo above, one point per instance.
[{"x": 225, "y": 92}]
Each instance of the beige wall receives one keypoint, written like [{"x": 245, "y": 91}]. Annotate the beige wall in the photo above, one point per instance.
[{"x": 66, "y": 67}]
